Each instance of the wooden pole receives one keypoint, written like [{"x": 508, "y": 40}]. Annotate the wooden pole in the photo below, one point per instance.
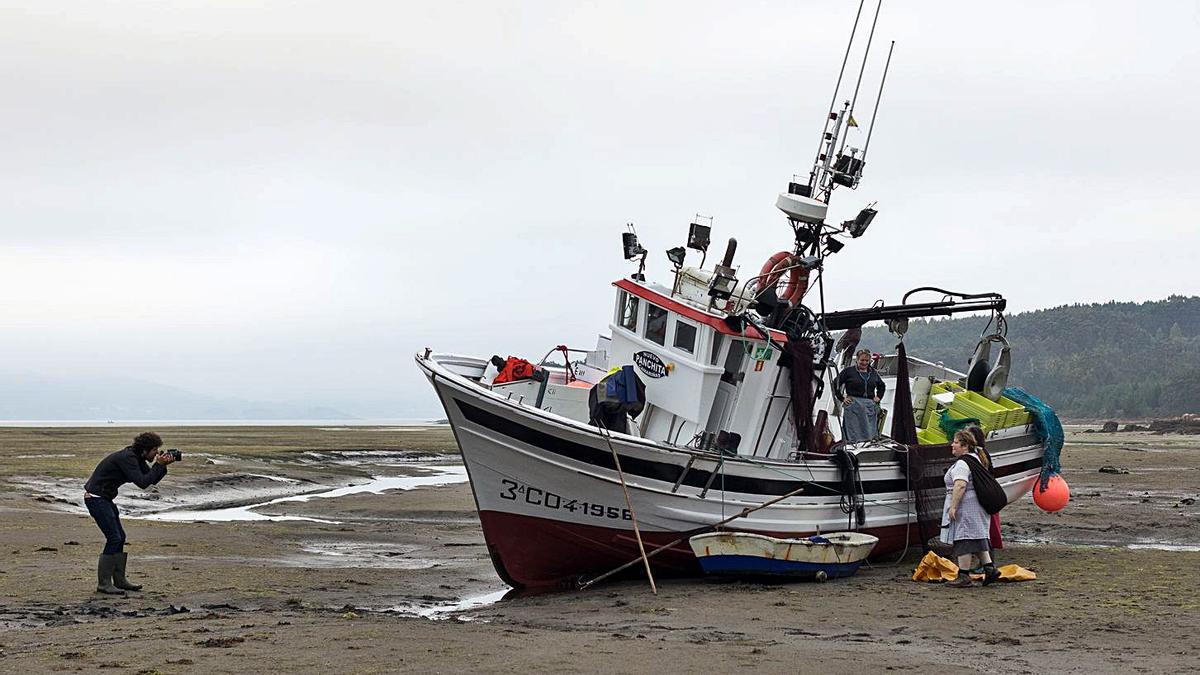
[
  {"x": 700, "y": 530},
  {"x": 632, "y": 516}
]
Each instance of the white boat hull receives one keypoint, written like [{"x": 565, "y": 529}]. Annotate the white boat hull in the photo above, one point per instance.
[{"x": 553, "y": 511}]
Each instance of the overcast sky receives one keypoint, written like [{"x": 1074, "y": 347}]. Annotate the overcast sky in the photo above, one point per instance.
[{"x": 286, "y": 200}]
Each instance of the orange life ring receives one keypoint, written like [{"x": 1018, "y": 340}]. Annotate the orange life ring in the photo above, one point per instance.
[{"x": 797, "y": 284}]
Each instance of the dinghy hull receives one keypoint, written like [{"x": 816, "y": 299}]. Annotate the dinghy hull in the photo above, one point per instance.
[{"x": 821, "y": 557}]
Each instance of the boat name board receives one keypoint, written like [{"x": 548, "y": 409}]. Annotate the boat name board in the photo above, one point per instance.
[{"x": 650, "y": 364}]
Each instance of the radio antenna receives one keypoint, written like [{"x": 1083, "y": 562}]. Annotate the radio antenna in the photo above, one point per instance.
[
  {"x": 878, "y": 96},
  {"x": 812, "y": 175},
  {"x": 862, "y": 69}
]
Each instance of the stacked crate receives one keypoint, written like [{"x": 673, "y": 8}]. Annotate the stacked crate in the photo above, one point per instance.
[{"x": 992, "y": 415}]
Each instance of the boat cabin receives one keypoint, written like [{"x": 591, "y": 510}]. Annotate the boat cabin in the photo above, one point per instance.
[
  {"x": 708, "y": 385},
  {"x": 701, "y": 375}
]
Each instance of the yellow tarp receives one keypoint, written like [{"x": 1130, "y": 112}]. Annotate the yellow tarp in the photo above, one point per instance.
[{"x": 933, "y": 567}]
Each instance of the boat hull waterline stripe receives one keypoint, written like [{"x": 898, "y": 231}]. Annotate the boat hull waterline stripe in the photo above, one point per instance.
[{"x": 670, "y": 473}]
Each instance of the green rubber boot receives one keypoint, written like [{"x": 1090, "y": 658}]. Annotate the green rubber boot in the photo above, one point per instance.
[
  {"x": 104, "y": 575},
  {"x": 119, "y": 579}
]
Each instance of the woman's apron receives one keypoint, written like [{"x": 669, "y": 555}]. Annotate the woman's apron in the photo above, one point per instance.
[{"x": 861, "y": 420}]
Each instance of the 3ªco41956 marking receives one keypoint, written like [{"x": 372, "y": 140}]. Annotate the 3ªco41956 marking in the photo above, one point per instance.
[{"x": 514, "y": 491}]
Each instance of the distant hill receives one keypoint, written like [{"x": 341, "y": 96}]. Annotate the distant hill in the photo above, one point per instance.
[
  {"x": 32, "y": 397},
  {"x": 1118, "y": 359}
]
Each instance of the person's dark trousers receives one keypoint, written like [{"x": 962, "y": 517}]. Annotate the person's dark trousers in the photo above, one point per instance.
[{"x": 104, "y": 512}]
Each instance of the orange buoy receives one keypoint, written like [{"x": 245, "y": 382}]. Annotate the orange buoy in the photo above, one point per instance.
[{"x": 1054, "y": 497}]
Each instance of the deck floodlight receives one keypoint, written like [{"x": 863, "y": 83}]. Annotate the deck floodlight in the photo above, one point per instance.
[
  {"x": 834, "y": 245},
  {"x": 676, "y": 255},
  {"x": 699, "y": 236},
  {"x": 858, "y": 226},
  {"x": 723, "y": 283}
]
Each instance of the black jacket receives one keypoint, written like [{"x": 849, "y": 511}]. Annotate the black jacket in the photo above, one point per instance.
[
  {"x": 123, "y": 466},
  {"x": 851, "y": 382}
]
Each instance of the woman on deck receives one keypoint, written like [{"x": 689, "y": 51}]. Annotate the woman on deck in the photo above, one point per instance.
[
  {"x": 860, "y": 389},
  {"x": 964, "y": 516}
]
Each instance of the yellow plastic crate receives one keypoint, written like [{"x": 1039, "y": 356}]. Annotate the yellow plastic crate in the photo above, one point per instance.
[
  {"x": 1016, "y": 415},
  {"x": 971, "y": 404},
  {"x": 957, "y": 415},
  {"x": 930, "y": 416},
  {"x": 1000, "y": 414},
  {"x": 930, "y": 419},
  {"x": 992, "y": 415},
  {"x": 931, "y": 437},
  {"x": 949, "y": 385}
]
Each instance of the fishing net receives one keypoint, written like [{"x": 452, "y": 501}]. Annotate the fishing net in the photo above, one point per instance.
[
  {"x": 925, "y": 466},
  {"x": 1046, "y": 427},
  {"x": 904, "y": 427},
  {"x": 952, "y": 425}
]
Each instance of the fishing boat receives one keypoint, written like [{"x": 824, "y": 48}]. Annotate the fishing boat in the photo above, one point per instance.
[
  {"x": 819, "y": 557},
  {"x": 736, "y": 406}
]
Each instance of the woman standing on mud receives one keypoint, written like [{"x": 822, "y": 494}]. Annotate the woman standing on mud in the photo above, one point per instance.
[
  {"x": 965, "y": 517},
  {"x": 994, "y": 531},
  {"x": 129, "y": 465}
]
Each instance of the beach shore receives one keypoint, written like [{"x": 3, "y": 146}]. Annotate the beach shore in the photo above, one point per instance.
[{"x": 374, "y": 562}]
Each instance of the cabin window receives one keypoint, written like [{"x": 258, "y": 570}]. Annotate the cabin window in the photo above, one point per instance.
[
  {"x": 629, "y": 311},
  {"x": 718, "y": 338},
  {"x": 685, "y": 336},
  {"x": 656, "y": 324}
]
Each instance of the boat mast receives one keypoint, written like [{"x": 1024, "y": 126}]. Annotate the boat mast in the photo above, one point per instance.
[
  {"x": 806, "y": 205},
  {"x": 846, "y": 170},
  {"x": 825, "y": 133},
  {"x": 861, "y": 69}
]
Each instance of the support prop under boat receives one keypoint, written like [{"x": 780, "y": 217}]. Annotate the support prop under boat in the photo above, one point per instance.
[{"x": 633, "y": 515}]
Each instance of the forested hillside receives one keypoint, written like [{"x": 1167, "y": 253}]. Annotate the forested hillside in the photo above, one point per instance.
[{"x": 1118, "y": 359}]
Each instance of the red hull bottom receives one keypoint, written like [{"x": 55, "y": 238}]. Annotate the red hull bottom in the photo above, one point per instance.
[{"x": 531, "y": 552}]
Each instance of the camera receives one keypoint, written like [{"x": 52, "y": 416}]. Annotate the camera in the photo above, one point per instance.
[{"x": 175, "y": 454}]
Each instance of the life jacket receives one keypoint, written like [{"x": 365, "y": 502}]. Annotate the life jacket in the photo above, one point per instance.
[{"x": 515, "y": 369}]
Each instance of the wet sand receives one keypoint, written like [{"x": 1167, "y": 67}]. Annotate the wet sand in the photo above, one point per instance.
[{"x": 351, "y": 595}]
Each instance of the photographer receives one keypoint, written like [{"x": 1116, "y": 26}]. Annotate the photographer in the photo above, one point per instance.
[{"x": 130, "y": 465}]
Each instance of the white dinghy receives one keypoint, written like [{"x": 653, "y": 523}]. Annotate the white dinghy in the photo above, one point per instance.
[{"x": 820, "y": 557}]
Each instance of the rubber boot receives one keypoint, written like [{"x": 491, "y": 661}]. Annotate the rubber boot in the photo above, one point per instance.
[
  {"x": 119, "y": 579},
  {"x": 104, "y": 575},
  {"x": 963, "y": 580},
  {"x": 990, "y": 574}
]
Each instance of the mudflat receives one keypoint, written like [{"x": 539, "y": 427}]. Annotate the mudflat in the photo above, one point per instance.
[{"x": 370, "y": 559}]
